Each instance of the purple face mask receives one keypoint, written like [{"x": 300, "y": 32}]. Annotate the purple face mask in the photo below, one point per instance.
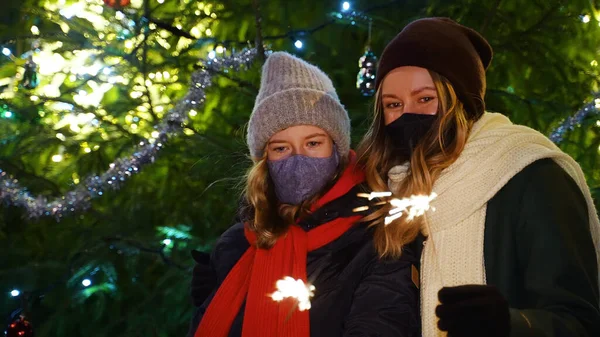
[{"x": 297, "y": 178}]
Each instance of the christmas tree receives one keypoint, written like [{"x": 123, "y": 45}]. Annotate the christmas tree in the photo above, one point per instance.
[{"x": 122, "y": 130}]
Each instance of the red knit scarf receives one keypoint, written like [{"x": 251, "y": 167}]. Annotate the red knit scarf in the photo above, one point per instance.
[{"x": 254, "y": 276}]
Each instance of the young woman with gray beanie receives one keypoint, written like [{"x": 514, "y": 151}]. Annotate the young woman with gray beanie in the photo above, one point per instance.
[
  {"x": 302, "y": 195},
  {"x": 512, "y": 238}
]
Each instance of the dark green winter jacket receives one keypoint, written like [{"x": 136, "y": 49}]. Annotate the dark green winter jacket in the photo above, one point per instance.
[{"x": 539, "y": 253}]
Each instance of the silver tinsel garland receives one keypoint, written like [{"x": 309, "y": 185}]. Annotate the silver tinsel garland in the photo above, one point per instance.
[
  {"x": 11, "y": 192},
  {"x": 574, "y": 121}
]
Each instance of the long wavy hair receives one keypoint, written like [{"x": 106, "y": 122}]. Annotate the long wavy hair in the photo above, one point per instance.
[
  {"x": 264, "y": 214},
  {"x": 438, "y": 149}
]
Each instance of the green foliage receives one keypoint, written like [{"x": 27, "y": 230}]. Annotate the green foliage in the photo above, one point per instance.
[{"x": 542, "y": 72}]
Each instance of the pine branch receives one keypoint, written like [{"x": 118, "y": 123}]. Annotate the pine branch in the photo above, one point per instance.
[
  {"x": 20, "y": 172},
  {"x": 160, "y": 251},
  {"x": 259, "y": 40},
  {"x": 44, "y": 99},
  {"x": 490, "y": 17}
]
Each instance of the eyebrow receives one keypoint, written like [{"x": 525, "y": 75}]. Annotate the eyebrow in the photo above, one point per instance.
[
  {"x": 414, "y": 92},
  {"x": 280, "y": 141},
  {"x": 319, "y": 134}
]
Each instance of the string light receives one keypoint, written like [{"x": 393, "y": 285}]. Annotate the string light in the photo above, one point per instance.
[
  {"x": 15, "y": 293},
  {"x": 298, "y": 44},
  {"x": 57, "y": 158},
  {"x": 6, "y": 51},
  {"x": 585, "y": 18},
  {"x": 35, "y": 30},
  {"x": 86, "y": 282},
  {"x": 345, "y": 6},
  {"x": 212, "y": 54},
  {"x": 167, "y": 242}
]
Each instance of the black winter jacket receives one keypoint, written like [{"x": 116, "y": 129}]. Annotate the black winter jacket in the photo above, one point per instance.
[{"x": 357, "y": 294}]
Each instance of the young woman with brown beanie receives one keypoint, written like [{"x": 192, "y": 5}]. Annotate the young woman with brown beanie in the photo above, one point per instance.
[
  {"x": 510, "y": 245},
  {"x": 302, "y": 195}
]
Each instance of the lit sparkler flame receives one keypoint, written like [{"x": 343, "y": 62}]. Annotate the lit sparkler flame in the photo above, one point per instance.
[
  {"x": 413, "y": 206},
  {"x": 290, "y": 287},
  {"x": 374, "y": 195}
]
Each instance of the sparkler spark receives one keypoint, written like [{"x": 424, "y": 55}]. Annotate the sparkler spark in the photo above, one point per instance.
[
  {"x": 413, "y": 206},
  {"x": 290, "y": 287},
  {"x": 374, "y": 195}
]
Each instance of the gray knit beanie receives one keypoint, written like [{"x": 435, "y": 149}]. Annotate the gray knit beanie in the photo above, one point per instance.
[{"x": 294, "y": 92}]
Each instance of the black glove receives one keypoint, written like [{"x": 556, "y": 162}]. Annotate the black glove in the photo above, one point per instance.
[
  {"x": 204, "y": 278},
  {"x": 473, "y": 310}
]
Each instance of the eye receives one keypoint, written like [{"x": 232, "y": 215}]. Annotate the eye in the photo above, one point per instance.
[
  {"x": 426, "y": 99},
  {"x": 393, "y": 105},
  {"x": 279, "y": 149},
  {"x": 313, "y": 143}
]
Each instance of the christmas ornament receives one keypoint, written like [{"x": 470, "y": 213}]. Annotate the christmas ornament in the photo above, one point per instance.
[
  {"x": 30, "y": 78},
  {"x": 365, "y": 80},
  {"x": 116, "y": 3},
  {"x": 20, "y": 327}
]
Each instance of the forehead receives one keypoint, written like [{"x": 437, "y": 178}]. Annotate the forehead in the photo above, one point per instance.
[
  {"x": 298, "y": 132},
  {"x": 406, "y": 78}
]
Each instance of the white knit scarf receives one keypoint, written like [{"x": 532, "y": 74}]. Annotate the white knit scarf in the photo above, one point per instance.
[{"x": 495, "y": 152}]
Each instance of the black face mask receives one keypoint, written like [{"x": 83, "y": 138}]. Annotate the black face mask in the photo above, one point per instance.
[{"x": 407, "y": 131}]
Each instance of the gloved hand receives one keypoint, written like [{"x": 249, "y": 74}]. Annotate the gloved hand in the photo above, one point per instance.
[
  {"x": 473, "y": 310},
  {"x": 204, "y": 278}
]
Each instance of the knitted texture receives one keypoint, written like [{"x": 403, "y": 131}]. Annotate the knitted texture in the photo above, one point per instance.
[
  {"x": 452, "y": 50},
  {"x": 495, "y": 152},
  {"x": 294, "y": 92}
]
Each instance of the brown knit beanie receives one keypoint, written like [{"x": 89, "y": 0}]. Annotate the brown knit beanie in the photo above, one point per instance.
[
  {"x": 293, "y": 92},
  {"x": 454, "y": 51}
]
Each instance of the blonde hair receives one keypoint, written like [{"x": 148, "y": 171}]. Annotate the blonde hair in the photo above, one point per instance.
[
  {"x": 267, "y": 218},
  {"x": 439, "y": 148}
]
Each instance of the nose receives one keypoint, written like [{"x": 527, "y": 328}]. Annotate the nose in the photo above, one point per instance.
[
  {"x": 411, "y": 107},
  {"x": 298, "y": 149}
]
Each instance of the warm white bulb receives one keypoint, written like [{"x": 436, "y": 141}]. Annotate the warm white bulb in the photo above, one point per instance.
[
  {"x": 6, "y": 51},
  {"x": 35, "y": 30},
  {"x": 212, "y": 54},
  {"x": 586, "y": 18},
  {"x": 57, "y": 158}
]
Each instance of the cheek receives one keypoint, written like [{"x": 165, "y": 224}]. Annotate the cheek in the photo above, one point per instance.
[
  {"x": 274, "y": 155},
  {"x": 389, "y": 117},
  {"x": 323, "y": 151}
]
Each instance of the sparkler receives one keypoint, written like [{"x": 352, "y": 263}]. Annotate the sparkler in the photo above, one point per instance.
[
  {"x": 413, "y": 206},
  {"x": 290, "y": 287}
]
